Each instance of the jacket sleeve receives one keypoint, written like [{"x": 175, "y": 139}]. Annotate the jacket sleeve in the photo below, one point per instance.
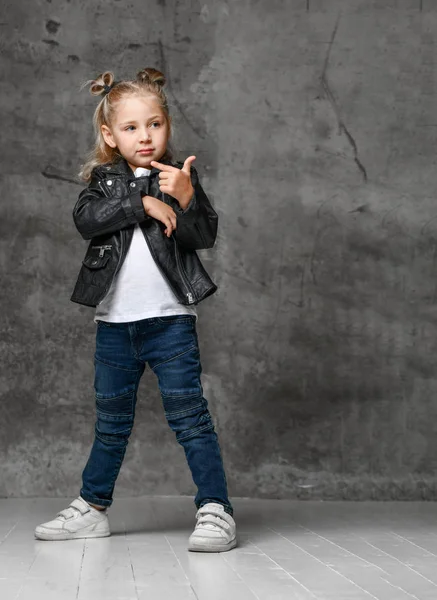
[
  {"x": 196, "y": 226},
  {"x": 97, "y": 214}
]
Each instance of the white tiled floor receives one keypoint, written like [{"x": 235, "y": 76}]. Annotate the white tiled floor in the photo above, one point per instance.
[{"x": 288, "y": 550}]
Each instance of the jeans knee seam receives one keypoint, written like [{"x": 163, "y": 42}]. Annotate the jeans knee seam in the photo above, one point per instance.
[
  {"x": 207, "y": 427},
  {"x": 115, "y": 365}
]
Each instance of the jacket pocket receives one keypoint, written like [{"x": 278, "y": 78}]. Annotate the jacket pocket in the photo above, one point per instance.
[{"x": 96, "y": 262}]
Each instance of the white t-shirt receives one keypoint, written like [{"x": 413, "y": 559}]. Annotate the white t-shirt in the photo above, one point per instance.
[{"x": 139, "y": 291}]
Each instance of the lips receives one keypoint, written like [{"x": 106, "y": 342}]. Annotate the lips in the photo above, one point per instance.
[{"x": 145, "y": 151}]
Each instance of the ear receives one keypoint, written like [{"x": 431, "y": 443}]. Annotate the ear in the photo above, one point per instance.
[{"x": 107, "y": 136}]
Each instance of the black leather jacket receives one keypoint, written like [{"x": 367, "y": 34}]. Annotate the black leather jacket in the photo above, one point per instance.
[{"x": 106, "y": 213}]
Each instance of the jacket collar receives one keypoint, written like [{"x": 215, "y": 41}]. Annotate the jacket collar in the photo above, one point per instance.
[{"x": 122, "y": 168}]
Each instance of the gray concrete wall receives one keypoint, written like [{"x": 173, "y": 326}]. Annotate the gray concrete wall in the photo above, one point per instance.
[{"x": 314, "y": 123}]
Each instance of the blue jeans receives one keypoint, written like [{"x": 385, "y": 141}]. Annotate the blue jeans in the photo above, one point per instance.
[{"x": 169, "y": 345}]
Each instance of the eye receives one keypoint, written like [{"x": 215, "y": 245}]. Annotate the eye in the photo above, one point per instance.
[
  {"x": 156, "y": 123},
  {"x": 129, "y": 128}
]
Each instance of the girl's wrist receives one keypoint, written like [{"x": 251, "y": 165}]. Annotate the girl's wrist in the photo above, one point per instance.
[
  {"x": 146, "y": 202},
  {"x": 185, "y": 201}
]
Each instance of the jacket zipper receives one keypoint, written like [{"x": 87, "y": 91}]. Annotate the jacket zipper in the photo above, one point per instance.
[
  {"x": 102, "y": 249},
  {"x": 189, "y": 294},
  {"x": 117, "y": 267},
  {"x": 183, "y": 273}
]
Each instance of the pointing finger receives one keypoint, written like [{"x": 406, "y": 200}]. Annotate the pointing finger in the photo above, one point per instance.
[{"x": 159, "y": 165}]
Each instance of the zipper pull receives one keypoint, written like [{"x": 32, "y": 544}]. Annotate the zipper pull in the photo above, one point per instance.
[
  {"x": 190, "y": 298},
  {"x": 102, "y": 249}
]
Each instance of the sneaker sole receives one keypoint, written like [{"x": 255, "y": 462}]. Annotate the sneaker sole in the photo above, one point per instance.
[
  {"x": 193, "y": 547},
  {"x": 52, "y": 537}
]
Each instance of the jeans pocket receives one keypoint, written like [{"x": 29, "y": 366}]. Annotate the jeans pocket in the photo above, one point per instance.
[{"x": 169, "y": 319}]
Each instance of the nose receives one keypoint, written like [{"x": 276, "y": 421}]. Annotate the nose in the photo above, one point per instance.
[{"x": 145, "y": 134}]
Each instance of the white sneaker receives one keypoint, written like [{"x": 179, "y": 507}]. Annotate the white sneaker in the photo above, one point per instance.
[
  {"x": 215, "y": 530},
  {"x": 79, "y": 520}
]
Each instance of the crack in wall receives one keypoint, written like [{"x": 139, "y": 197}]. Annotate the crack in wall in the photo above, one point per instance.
[
  {"x": 330, "y": 96},
  {"x": 51, "y": 172}
]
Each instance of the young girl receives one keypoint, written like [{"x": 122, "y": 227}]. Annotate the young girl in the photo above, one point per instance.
[{"x": 145, "y": 217}]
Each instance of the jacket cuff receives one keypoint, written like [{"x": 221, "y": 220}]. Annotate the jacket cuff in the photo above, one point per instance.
[
  {"x": 191, "y": 204},
  {"x": 133, "y": 206}
]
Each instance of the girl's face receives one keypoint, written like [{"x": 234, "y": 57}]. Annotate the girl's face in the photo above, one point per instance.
[{"x": 139, "y": 130}]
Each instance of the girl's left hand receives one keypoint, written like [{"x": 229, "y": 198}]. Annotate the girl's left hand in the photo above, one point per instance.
[{"x": 176, "y": 182}]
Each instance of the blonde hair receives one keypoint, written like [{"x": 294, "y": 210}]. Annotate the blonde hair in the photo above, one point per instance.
[{"x": 148, "y": 81}]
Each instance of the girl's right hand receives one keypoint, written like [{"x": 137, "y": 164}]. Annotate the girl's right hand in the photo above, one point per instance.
[{"x": 160, "y": 211}]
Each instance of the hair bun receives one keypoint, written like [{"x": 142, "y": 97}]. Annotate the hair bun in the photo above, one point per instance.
[
  {"x": 100, "y": 84},
  {"x": 150, "y": 75}
]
